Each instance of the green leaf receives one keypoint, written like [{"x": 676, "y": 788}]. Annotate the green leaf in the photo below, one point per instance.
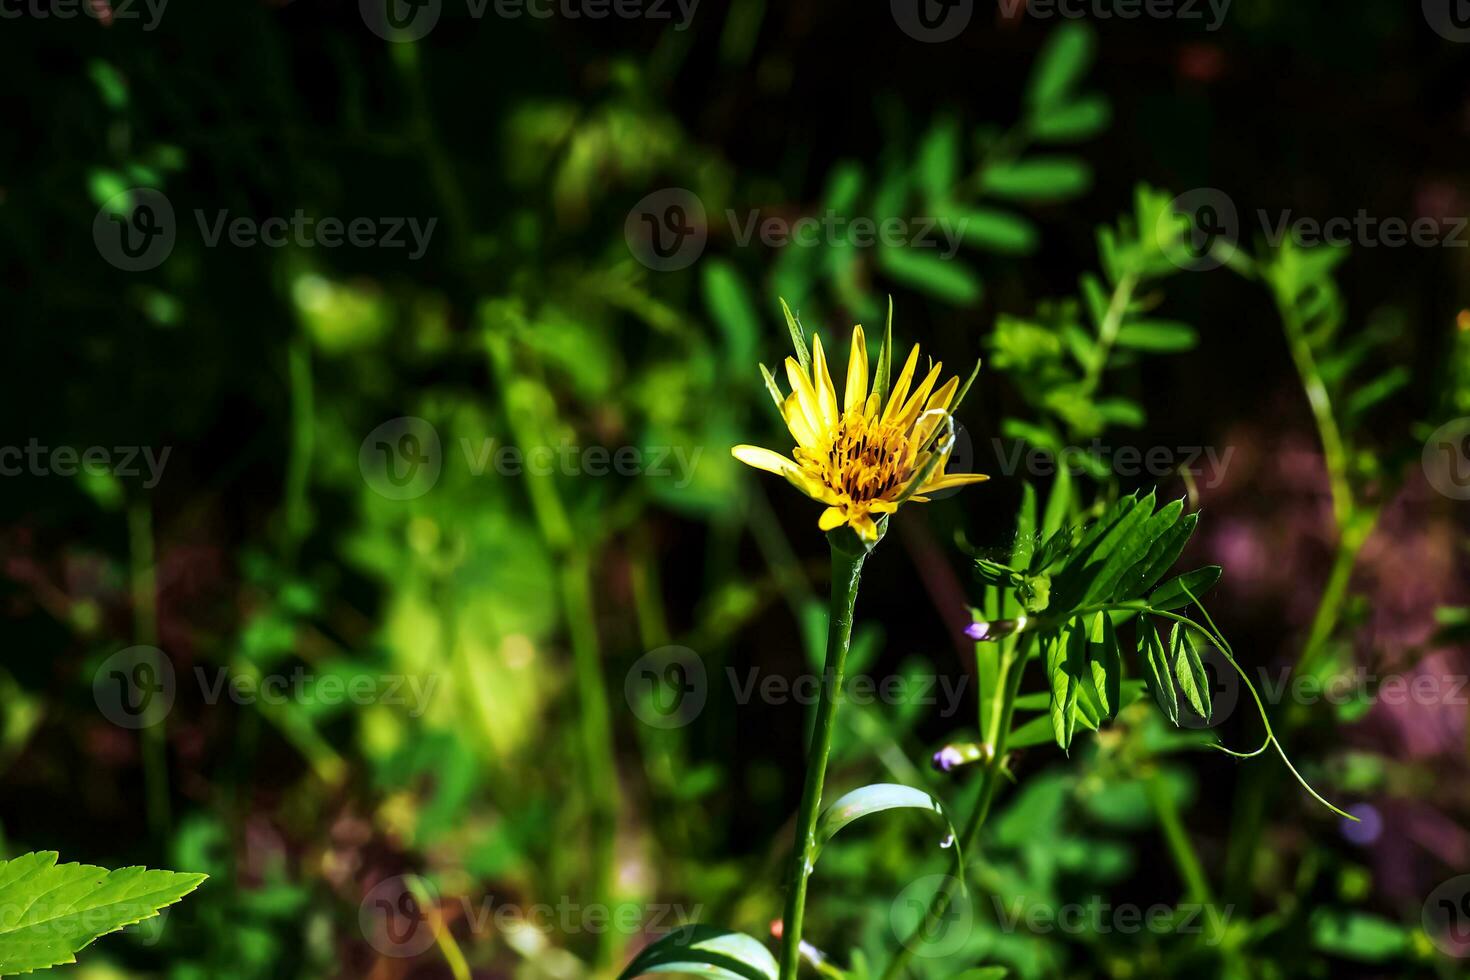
[
  {"x": 1106, "y": 664},
  {"x": 1077, "y": 120},
  {"x": 938, "y": 163},
  {"x": 1160, "y": 558},
  {"x": 929, "y": 272},
  {"x": 51, "y": 911},
  {"x": 996, "y": 230},
  {"x": 1359, "y": 936},
  {"x": 1158, "y": 336},
  {"x": 1176, "y": 592},
  {"x": 1190, "y": 669},
  {"x": 1066, "y": 657},
  {"x": 1151, "y": 652},
  {"x": 883, "y": 373},
  {"x": 798, "y": 338},
  {"x": 1063, "y": 60},
  {"x": 706, "y": 951},
  {"x": 1059, "y": 504},
  {"x": 729, "y": 304},
  {"x": 984, "y": 973},
  {"x": 875, "y": 798},
  {"x": 1039, "y": 178}
]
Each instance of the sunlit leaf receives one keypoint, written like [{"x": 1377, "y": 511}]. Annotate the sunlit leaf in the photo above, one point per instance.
[{"x": 705, "y": 951}]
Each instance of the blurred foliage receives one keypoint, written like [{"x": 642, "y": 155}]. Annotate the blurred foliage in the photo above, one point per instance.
[{"x": 511, "y": 769}]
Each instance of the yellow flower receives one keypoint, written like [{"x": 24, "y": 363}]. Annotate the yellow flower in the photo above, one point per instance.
[{"x": 864, "y": 457}]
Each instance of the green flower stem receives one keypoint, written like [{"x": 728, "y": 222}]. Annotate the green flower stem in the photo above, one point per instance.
[
  {"x": 1003, "y": 706},
  {"x": 846, "y": 568}
]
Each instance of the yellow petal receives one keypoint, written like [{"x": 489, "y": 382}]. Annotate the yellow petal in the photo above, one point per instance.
[
  {"x": 910, "y": 410},
  {"x": 764, "y": 459},
  {"x": 806, "y": 397},
  {"x": 857, "y": 373},
  {"x": 796, "y": 422},
  {"x": 822, "y": 381},
  {"x": 863, "y": 524},
  {"x": 831, "y": 517},
  {"x": 900, "y": 391},
  {"x": 952, "y": 480}
]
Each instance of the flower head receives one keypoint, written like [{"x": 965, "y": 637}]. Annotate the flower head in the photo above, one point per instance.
[{"x": 879, "y": 447}]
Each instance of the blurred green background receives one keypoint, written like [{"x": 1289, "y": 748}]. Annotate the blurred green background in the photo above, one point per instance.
[{"x": 501, "y": 621}]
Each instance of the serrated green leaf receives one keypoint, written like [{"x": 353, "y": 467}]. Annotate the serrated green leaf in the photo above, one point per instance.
[
  {"x": 1038, "y": 178},
  {"x": 1160, "y": 680},
  {"x": 1176, "y": 592},
  {"x": 706, "y": 951},
  {"x": 1157, "y": 336},
  {"x": 1066, "y": 657},
  {"x": 50, "y": 911},
  {"x": 1190, "y": 669}
]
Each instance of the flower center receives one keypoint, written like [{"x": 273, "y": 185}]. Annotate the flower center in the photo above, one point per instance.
[{"x": 866, "y": 459}]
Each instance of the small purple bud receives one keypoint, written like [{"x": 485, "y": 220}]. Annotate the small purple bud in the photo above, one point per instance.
[
  {"x": 947, "y": 758},
  {"x": 977, "y": 631}
]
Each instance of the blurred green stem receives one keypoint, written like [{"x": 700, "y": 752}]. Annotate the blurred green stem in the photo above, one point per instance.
[
  {"x": 847, "y": 567},
  {"x": 996, "y": 730},
  {"x": 1181, "y": 848}
]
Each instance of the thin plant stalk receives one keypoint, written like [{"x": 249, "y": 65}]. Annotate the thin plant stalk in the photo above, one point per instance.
[
  {"x": 846, "y": 568},
  {"x": 1013, "y": 657}
]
